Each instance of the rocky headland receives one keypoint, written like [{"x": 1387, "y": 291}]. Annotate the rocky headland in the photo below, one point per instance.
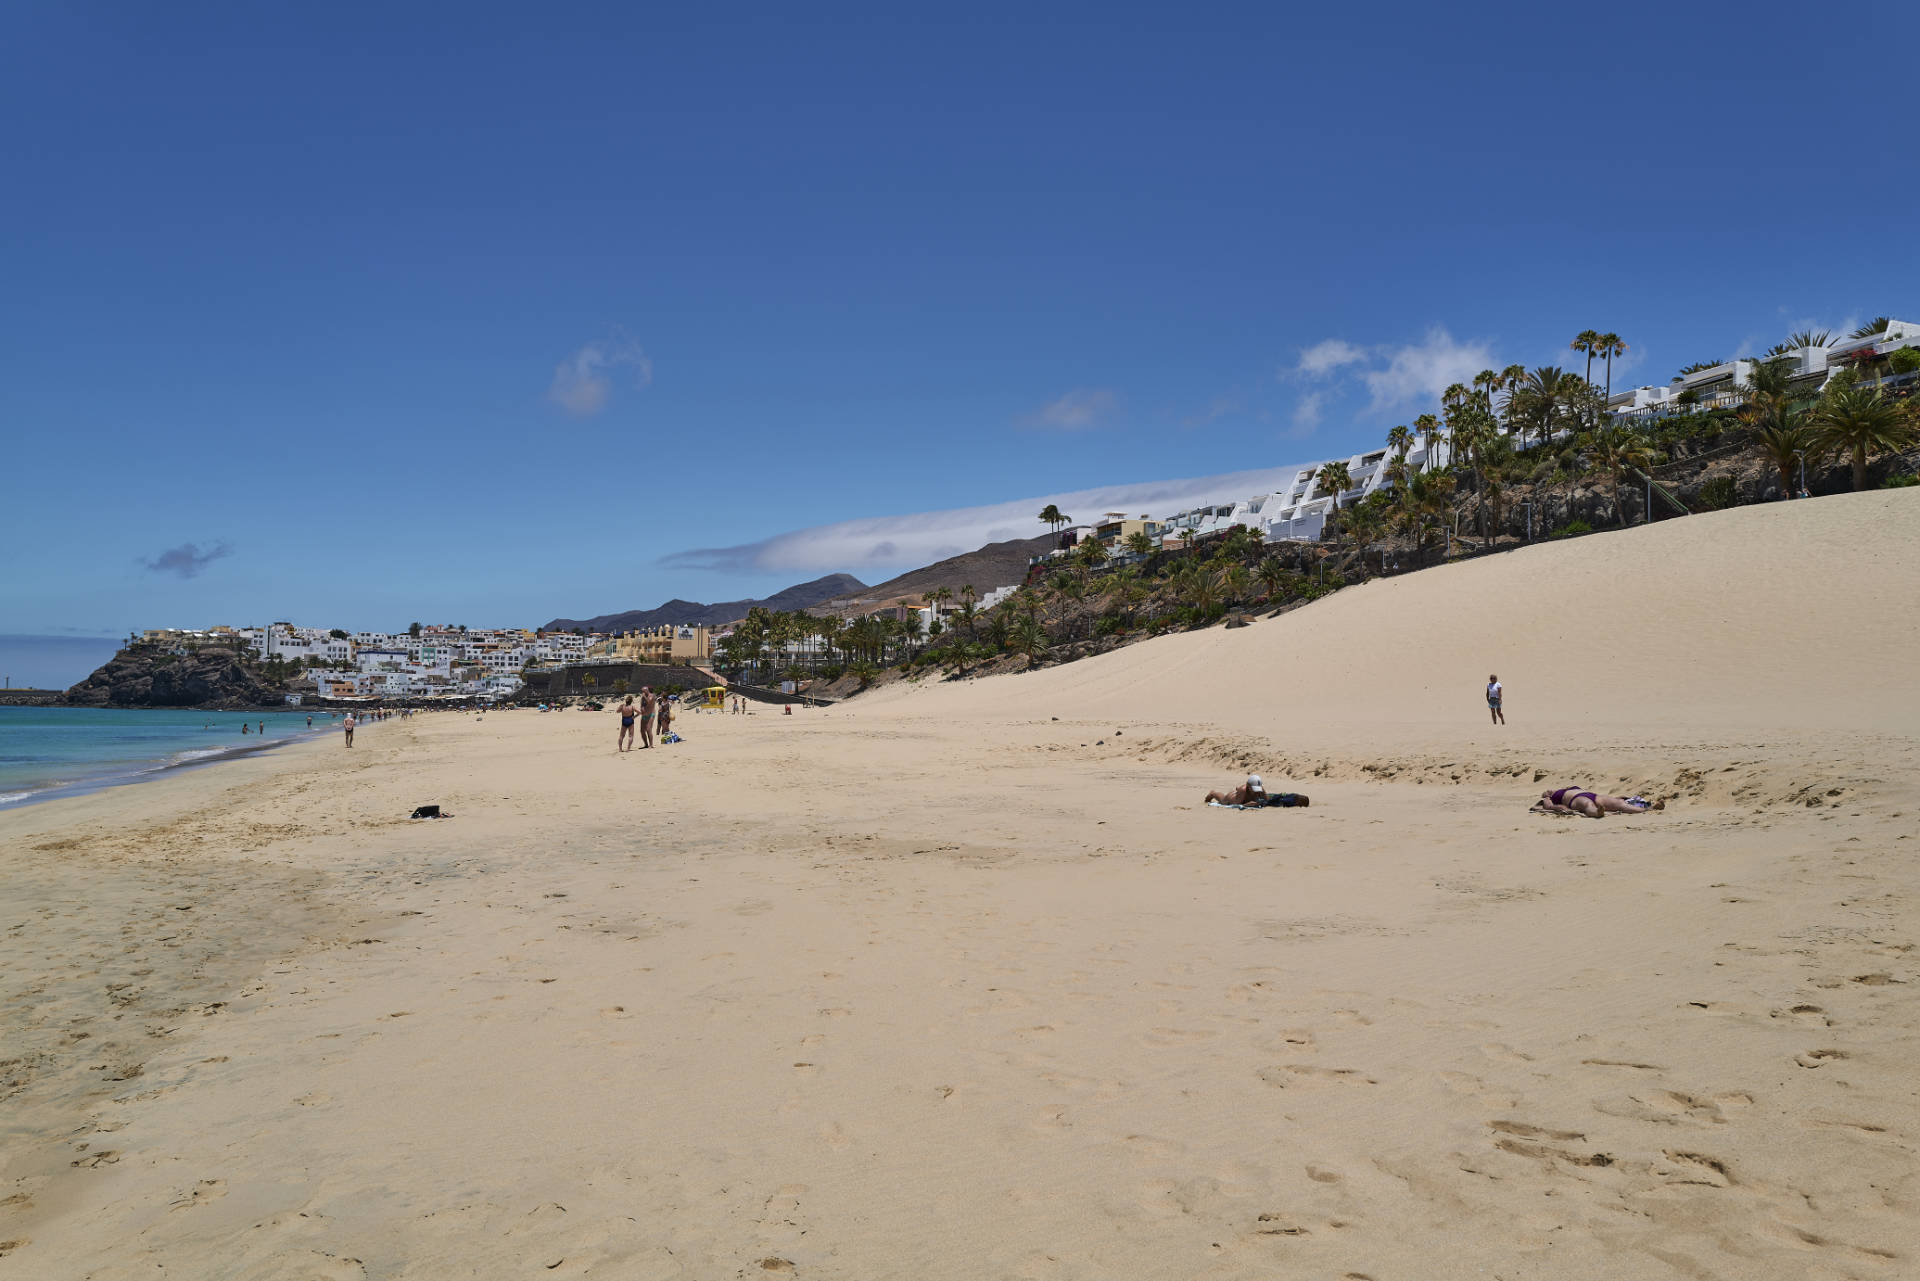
[{"x": 152, "y": 676}]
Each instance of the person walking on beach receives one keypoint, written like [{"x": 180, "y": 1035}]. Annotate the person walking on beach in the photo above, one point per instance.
[
  {"x": 1494, "y": 695},
  {"x": 347, "y": 725},
  {"x": 666, "y": 715},
  {"x": 648, "y": 705},
  {"x": 627, "y": 714}
]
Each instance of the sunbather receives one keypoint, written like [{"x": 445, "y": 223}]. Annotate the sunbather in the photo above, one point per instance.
[
  {"x": 1571, "y": 800},
  {"x": 1251, "y": 792}
]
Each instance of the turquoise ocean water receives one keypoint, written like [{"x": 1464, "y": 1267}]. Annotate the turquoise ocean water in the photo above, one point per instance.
[{"x": 58, "y": 751}]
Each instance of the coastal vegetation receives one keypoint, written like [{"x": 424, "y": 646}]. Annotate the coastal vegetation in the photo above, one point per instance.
[{"x": 1533, "y": 453}]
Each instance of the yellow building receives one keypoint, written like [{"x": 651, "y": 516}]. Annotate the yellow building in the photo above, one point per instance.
[{"x": 667, "y": 646}]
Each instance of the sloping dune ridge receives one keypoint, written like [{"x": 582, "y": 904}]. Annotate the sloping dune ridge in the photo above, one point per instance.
[
  {"x": 1797, "y": 614},
  {"x": 961, "y": 981}
]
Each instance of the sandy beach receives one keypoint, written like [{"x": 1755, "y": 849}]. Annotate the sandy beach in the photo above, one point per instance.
[{"x": 961, "y": 980}]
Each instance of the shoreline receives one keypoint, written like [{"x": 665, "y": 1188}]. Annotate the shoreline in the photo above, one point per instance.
[{"x": 147, "y": 770}]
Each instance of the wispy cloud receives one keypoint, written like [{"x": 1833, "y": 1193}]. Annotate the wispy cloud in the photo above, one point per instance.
[
  {"x": 186, "y": 560},
  {"x": 1078, "y": 410},
  {"x": 901, "y": 542},
  {"x": 1219, "y": 407},
  {"x": 1307, "y": 411},
  {"x": 1324, "y": 358},
  {"x": 582, "y": 383},
  {"x": 1419, "y": 372}
]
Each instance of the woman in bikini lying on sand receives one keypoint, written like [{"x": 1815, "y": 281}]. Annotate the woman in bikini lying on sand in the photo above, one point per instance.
[{"x": 1571, "y": 800}]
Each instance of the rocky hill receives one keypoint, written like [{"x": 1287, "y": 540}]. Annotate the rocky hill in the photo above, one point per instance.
[
  {"x": 995, "y": 565},
  {"x": 148, "y": 676},
  {"x": 693, "y": 613}
]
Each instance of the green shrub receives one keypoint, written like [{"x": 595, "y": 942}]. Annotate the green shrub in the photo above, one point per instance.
[
  {"x": 1901, "y": 482},
  {"x": 1717, "y": 494},
  {"x": 1573, "y": 528}
]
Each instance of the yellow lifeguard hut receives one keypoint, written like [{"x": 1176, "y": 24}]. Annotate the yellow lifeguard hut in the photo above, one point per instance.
[{"x": 716, "y": 700}]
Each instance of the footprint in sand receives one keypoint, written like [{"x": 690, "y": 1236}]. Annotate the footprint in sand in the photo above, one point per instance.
[
  {"x": 1161, "y": 1038},
  {"x": 833, "y": 1136},
  {"x": 1505, "y": 1053},
  {"x": 313, "y": 1100},
  {"x": 1525, "y": 1131},
  {"x": 1811, "y": 1015},
  {"x": 1818, "y": 1058},
  {"x": 1286, "y": 1075},
  {"x": 1699, "y": 1169},
  {"x": 204, "y": 1191}
]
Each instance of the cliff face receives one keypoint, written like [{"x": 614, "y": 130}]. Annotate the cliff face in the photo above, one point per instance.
[{"x": 142, "y": 677}]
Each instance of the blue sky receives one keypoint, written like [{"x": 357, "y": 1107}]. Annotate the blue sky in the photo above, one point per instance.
[{"x": 368, "y": 314}]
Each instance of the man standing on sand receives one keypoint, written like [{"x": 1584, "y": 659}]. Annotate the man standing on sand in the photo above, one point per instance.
[
  {"x": 348, "y": 725},
  {"x": 648, "y": 705},
  {"x": 1494, "y": 694},
  {"x": 627, "y": 713}
]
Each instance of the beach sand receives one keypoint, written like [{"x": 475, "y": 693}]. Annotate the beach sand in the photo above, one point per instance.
[{"x": 936, "y": 985}]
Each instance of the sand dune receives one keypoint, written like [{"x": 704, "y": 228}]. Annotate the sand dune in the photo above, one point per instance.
[
  {"x": 938, "y": 985},
  {"x": 1797, "y": 614}
]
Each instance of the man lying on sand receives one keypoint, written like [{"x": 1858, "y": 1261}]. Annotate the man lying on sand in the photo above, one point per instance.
[
  {"x": 1251, "y": 792},
  {"x": 1571, "y": 800}
]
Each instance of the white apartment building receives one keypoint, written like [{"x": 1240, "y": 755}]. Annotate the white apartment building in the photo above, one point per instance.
[
  {"x": 285, "y": 641},
  {"x": 1714, "y": 387},
  {"x": 1297, "y": 512}
]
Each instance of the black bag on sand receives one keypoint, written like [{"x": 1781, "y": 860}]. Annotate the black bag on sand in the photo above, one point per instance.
[
  {"x": 1287, "y": 800},
  {"x": 427, "y": 811}
]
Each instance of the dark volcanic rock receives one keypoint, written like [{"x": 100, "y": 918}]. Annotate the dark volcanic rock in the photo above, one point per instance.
[{"x": 144, "y": 676}]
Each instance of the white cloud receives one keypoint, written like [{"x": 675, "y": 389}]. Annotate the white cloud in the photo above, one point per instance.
[
  {"x": 1218, "y": 408},
  {"x": 1323, "y": 358},
  {"x": 1078, "y": 410},
  {"x": 1421, "y": 371},
  {"x": 581, "y": 383},
  {"x": 902, "y": 542},
  {"x": 1306, "y": 414}
]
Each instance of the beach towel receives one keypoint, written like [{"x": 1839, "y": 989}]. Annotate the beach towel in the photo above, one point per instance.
[{"x": 1281, "y": 800}]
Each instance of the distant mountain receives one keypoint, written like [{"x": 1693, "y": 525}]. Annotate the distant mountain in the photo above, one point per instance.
[
  {"x": 995, "y": 565},
  {"x": 692, "y": 613}
]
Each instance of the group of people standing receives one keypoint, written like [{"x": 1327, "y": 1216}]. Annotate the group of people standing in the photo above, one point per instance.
[{"x": 654, "y": 712}]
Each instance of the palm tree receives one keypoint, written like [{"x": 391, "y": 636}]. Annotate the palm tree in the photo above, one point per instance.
[
  {"x": 1026, "y": 635},
  {"x": 1429, "y": 426},
  {"x": 1785, "y": 440},
  {"x": 1140, "y": 543},
  {"x": 1334, "y": 479},
  {"x": 1612, "y": 449},
  {"x": 1487, "y": 382},
  {"x": 1544, "y": 396},
  {"x": 1050, "y": 517},
  {"x": 1272, "y": 576},
  {"x": 1588, "y": 341},
  {"x": 1859, "y": 421},
  {"x": 1365, "y": 524},
  {"x": 1878, "y": 325},
  {"x": 1610, "y": 346},
  {"x": 1400, "y": 440},
  {"x": 1512, "y": 379}
]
